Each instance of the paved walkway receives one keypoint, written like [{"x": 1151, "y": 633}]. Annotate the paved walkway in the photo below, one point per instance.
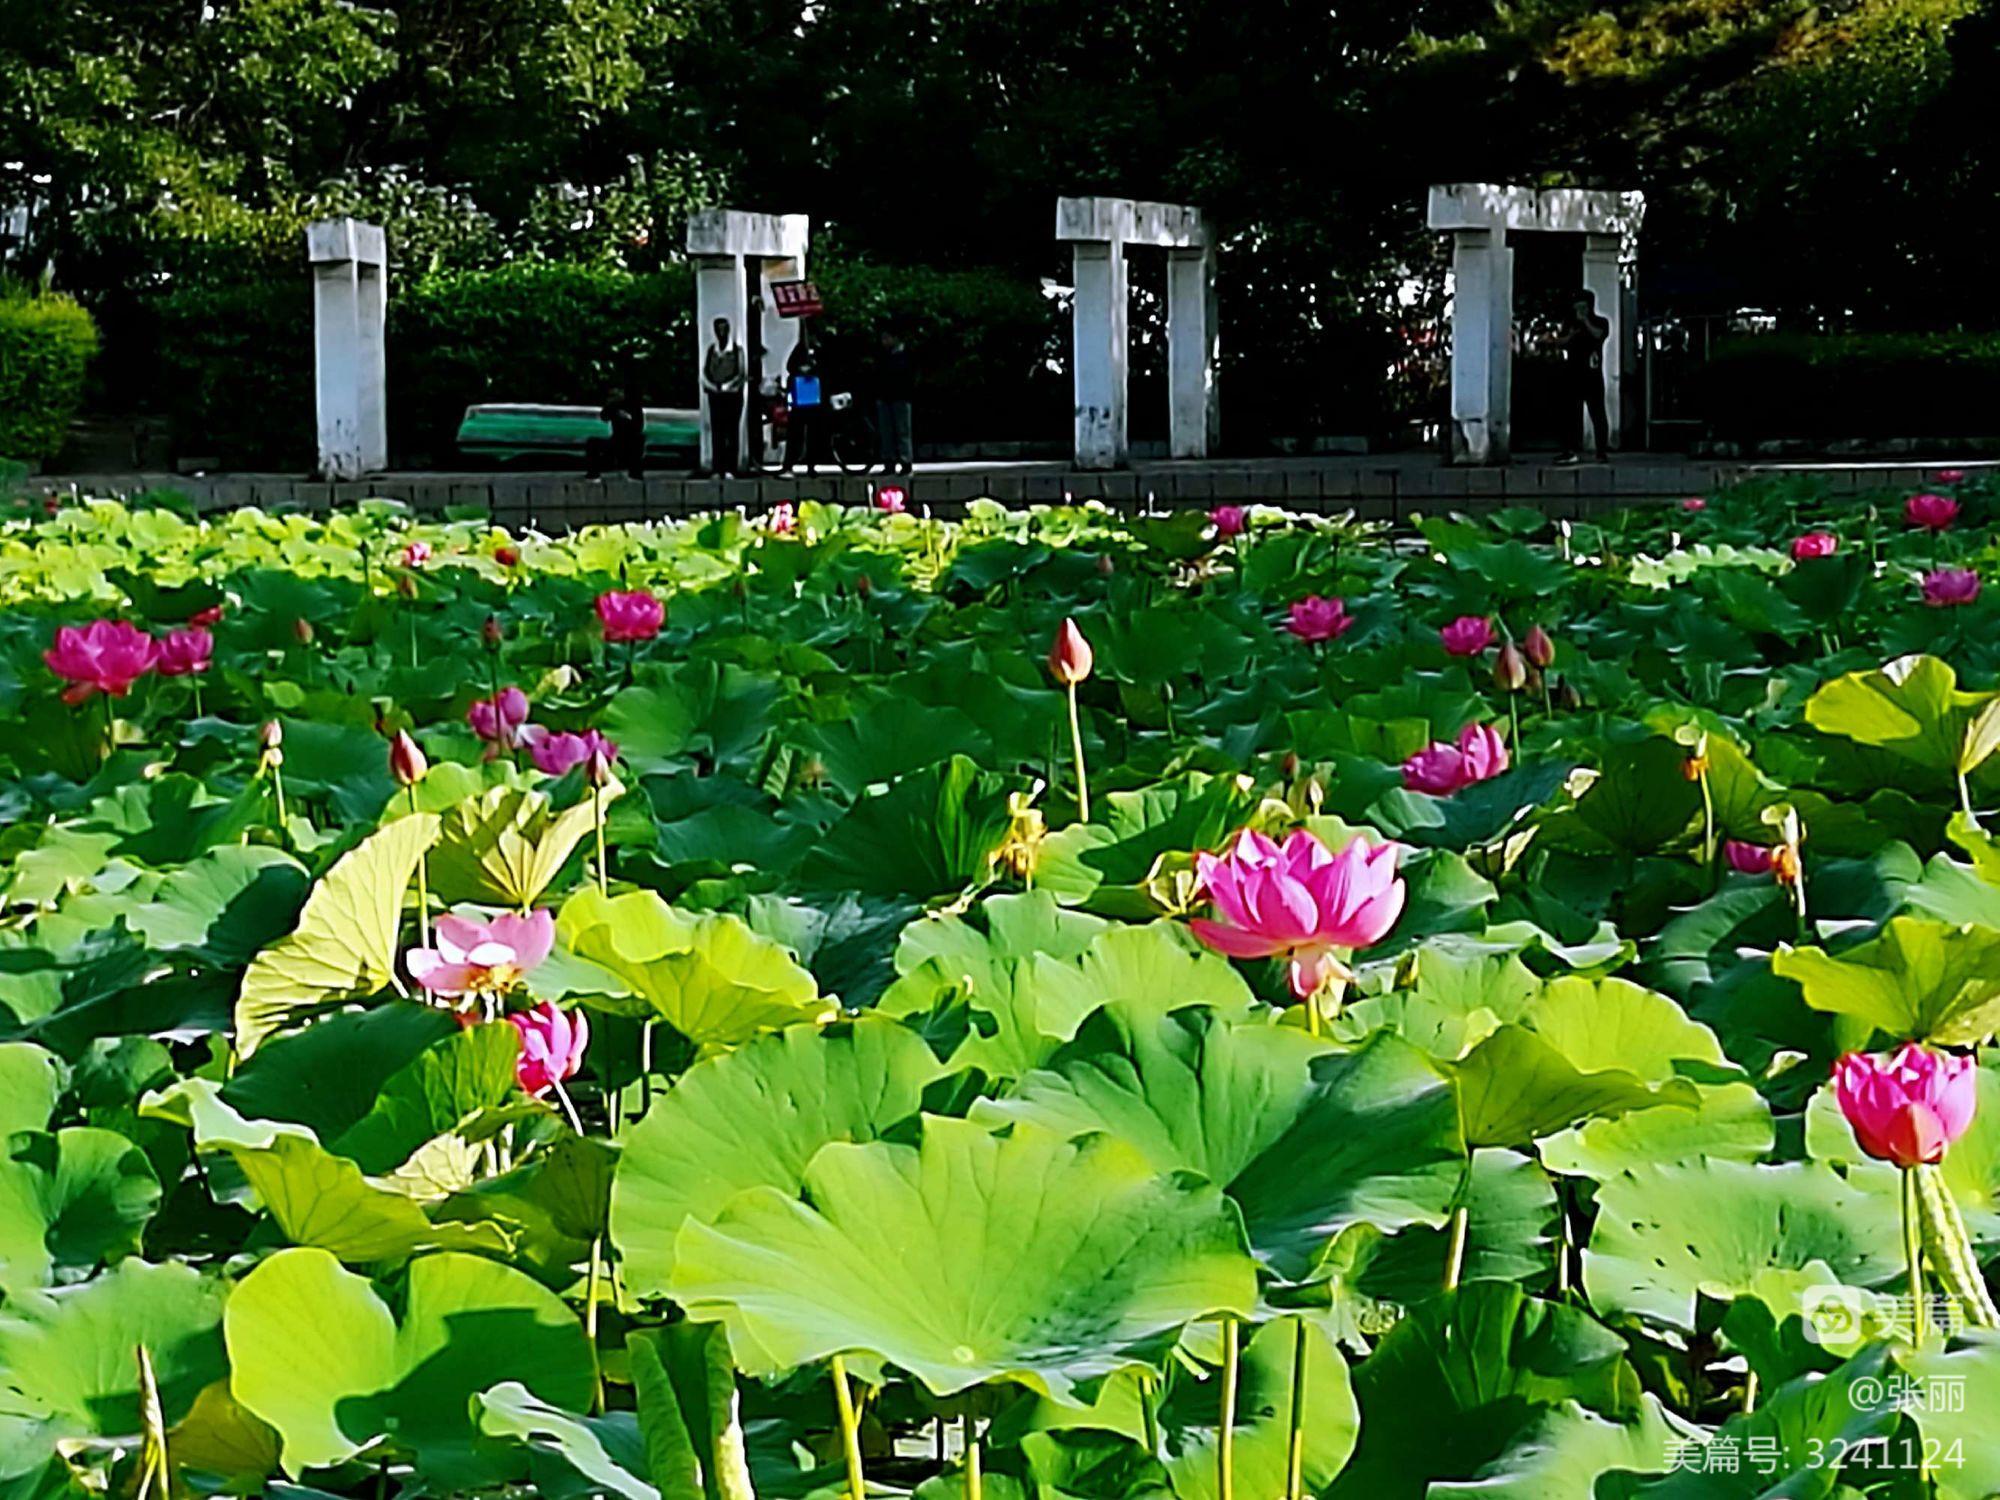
[{"x": 1383, "y": 485}]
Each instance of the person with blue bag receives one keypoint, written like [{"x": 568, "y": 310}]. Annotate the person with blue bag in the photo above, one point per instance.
[{"x": 806, "y": 397}]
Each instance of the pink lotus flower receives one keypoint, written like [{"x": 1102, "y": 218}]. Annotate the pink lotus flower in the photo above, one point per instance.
[
  {"x": 1316, "y": 618},
  {"x": 1468, "y": 635},
  {"x": 184, "y": 652},
  {"x": 552, "y": 1043},
  {"x": 630, "y": 615},
  {"x": 1070, "y": 657},
  {"x": 1908, "y": 1107},
  {"x": 784, "y": 520},
  {"x": 1747, "y": 858},
  {"x": 1299, "y": 901},
  {"x": 1694, "y": 505},
  {"x": 499, "y": 719},
  {"x": 1442, "y": 768},
  {"x": 555, "y": 753},
  {"x": 210, "y": 616},
  {"x": 416, "y": 554},
  {"x": 1228, "y": 521},
  {"x": 1931, "y": 512},
  {"x": 1950, "y": 476},
  {"x": 892, "y": 500},
  {"x": 1814, "y": 544},
  {"x": 1945, "y": 588},
  {"x": 482, "y": 958},
  {"x": 105, "y": 656}
]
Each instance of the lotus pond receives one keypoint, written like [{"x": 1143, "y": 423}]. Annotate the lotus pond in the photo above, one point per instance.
[{"x": 1051, "y": 1004}]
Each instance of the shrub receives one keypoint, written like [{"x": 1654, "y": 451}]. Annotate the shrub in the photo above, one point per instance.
[
  {"x": 235, "y": 370},
  {"x": 46, "y": 343},
  {"x": 1863, "y": 385}
]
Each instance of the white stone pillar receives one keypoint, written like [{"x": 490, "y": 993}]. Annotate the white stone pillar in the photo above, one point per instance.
[
  {"x": 1099, "y": 321},
  {"x": 718, "y": 293},
  {"x": 350, "y": 265},
  {"x": 1194, "y": 419},
  {"x": 1603, "y": 277},
  {"x": 1482, "y": 345},
  {"x": 781, "y": 335}
]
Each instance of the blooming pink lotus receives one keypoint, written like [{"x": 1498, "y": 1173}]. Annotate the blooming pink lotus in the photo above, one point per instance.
[
  {"x": 1950, "y": 476},
  {"x": 482, "y": 958},
  {"x": 1909, "y": 1106},
  {"x": 1228, "y": 520},
  {"x": 1442, "y": 767},
  {"x": 1317, "y": 618},
  {"x": 499, "y": 719},
  {"x": 1945, "y": 588},
  {"x": 784, "y": 520},
  {"x": 1814, "y": 544},
  {"x": 1468, "y": 635},
  {"x": 105, "y": 656},
  {"x": 1694, "y": 505},
  {"x": 552, "y": 1043},
  {"x": 630, "y": 615},
  {"x": 1299, "y": 901},
  {"x": 1747, "y": 858},
  {"x": 892, "y": 500},
  {"x": 555, "y": 753},
  {"x": 1931, "y": 512},
  {"x": 184, "y": 652},
  {"x": 416, "y": 554}
]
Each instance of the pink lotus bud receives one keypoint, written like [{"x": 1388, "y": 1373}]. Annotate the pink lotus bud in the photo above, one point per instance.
[
  {"x": 482, "y": 958},
  {"x": 507, "y": 555},
  {"x": 1315, "y": 618},
  {"x": 1510, "y": 668},
  {"x": 498, "y": 719},
  {"x": 892, "y": 500},
  {"x": 630, "y": 615},
  {"x": 1950, "y": 476},
  {"x": 1746, "y": 858},
  {"x": 492, "y": 632},
  {"x": 1070, "y": 657},
  {"x": 271, "y": 736},
  {"x": 1814, "y": 544},
  {"x": 1228, "y": 520},
  {"x": 1540, "y": 649},
  {"x": 1931, "y": 512},
  {"x": 1908, "y": 1107},
  {"x": 105, "y": 656},
  {"x": 406, "y": 760},
  {"x": 1694, "y": 505},
  {"x": 1468, "y": 635},
  {"x": 1299, "y": 901},
  {"x": 206, "y": 617},
  {"x": 1946, "y": 588},
  {"x": 552, "y": 1043},
  {"x": 416, "y": 554},
  {"x": 1105, "y": 566},
  {"x": 302, "y": 632}
]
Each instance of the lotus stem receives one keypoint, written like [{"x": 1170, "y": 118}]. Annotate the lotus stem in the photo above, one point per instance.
[
  {"x": 1454, "y": 1265},
  {"x": 1951, "y": 1248},
  {"x": 278, "y": 791},
  {"x": 1149, "y": 1416},
  {"x": 1749, "y": 1392},
  {"x": 1295, "y": 1438},
  {"x": 1225, "y": 1448},
  {"x": 1076, "y": 745},
  {"x": 850, "y": 1431},
  {"x": 590, "y": 1288},
  {"x": 423, "y": 884},
  {"x": 1913, "y": 1250},
  {"x": 645, "y": 1068},
  {"x": 569, "y": 1107},
  {"x": 1707, "y": 823},
  {"x": 975, "y": 1486},
  {"x": 597, "y": 817}
]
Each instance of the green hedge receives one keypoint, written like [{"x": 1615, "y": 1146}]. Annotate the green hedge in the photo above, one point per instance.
[
  {"x": 1865, "y": 385},
  {"x": 46, "y": 343}
]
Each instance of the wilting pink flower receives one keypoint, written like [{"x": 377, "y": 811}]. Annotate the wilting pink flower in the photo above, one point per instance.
[
  {"x": 1907, "y": 1107},
  {"x": 631, "y": 615},
  {"x": 1931, "y": 512},
  {"x": 1228, "y": 520},
  {"x": 1747, "y": 858},
  {"x": 1814, "y": 544},
  {"x": 416, "y": 554},
  {"x": 1070, "y": 656},
  {"x": 184, "y": 652},
  {"x": 1442, "y": 767},
  {"x": 1950, "y": 476},
  {"x": 555, "y": 753},
  {"x": 1316, "y": 618},
  {"x": 1946, "y": 587},
  {"x": 498, "y": 719},
  {"x": 784, "y": 519},
  {"x": 1694, "y": 505},
  {"x": 1468, "y": 635},
  {"x": 1299, "y": 901},
  {"x": 892, "y": 499},
  {"x": 210, "y": 616},
  {"x": 552, "y": 1043},
  {"x": 482, "y": 958},
  {"x": 105, "y": 656}
]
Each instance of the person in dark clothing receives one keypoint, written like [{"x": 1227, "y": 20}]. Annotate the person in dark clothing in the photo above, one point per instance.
[
  {"x": 806, "y": 398},
  {"x": 895, "y": 397},
  {"x": 626, "y": 447},
  {"x": 723, "y": 374},
  {"x": 1583, "y": 362}
]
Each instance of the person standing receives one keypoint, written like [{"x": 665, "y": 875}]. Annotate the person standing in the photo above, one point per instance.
[
  {"x": 626, "y": 446},
  {"x": 805, "y": 393},
  {"x": 895, "y": 398},
  {"x": 723, "y": 374},
  {"x": 1583, "y": 362}
]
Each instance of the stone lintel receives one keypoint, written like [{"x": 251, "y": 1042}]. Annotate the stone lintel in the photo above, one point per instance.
[
  {"x": 728, "y": 231},
  {"x": 1483, "y": 205},
  {"x": 1165, "y": 226}
]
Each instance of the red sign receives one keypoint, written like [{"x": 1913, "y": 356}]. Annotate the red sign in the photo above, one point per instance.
[{"x": 796, "y": 299}]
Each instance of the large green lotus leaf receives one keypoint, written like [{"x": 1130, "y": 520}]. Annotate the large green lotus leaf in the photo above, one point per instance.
[
  {"x": 315, "y": 1197},
  {"x": 1459, "y": 998},
  {"x": 1375, "y": 1142},
  {"x": 604, "y": 1451},
  {"x": 967, "y": 1258},
  {"x": 438, "y": 1092},
  {"x": 218, "y": 1437},
  {"x": 1970, "y": 1169},
  {"x": 706, "y": 974},
  {"x": 1912, "y": 708},
  {"x": 1668, "y": 1235},
  {"x": 1467, "y": 819},
  {"x": 1013, "y": 927},
  {"x": 69, "y": 1201},
  {"x": 1189, "y": 1420},
  {"x": 31, "y": 1080},
  {"x": 889, "y": 738},
  {"x": 1452, "y": 1385},
  {"x": 1919, "y": 980},
  {"x": 1958, "y": 1423},
  {"x": 1511, "y": 1216},
  {"x": 1515, "y": 1087},
  {"x": 1954, "y": 893},
  {"x": 317, "y": 1353},
  {"x": 932, "y": 833},
  {"x": 1137, "y": 827},
  {"x": 1638, "y": 804},
  {"x": 504, "y": 846},
  {"x": 709, "y": 706},
  {"x": 1789, "y": 1447},
  {"x": 68, "y": 1362},
  {"x": 1730, "y": 1121},
  {"x": 229, "y": 903},
  {"x": 686, "y": 1390},
  {"x": 326, "y": 1076},
  {"x": 1614, "y": 1023},
  {"x": 552, "y": 1207},
  {"x": 803, "y": 1087},
  {"x": 1564, "y": 1449},
  {"x": 344, "y": 948}
]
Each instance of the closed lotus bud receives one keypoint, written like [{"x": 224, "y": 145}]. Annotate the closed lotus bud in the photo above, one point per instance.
[
  {"x": 1539, "y": 648},
  {"x": 1289, "y": 766},
  {"x": 1070, "y": 656},
  {"x": 864, "y": 586},
  {"x": 302, "y": 632},
  {"x": 406, "y": 761},
  {"x": 492, "y": 632},
  {"x": 1510, "y": 668},
  {"x": 272, "y": 735},
  {"x": 1571, "y": 698},
  {"x": 1105, "y": 566}
]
